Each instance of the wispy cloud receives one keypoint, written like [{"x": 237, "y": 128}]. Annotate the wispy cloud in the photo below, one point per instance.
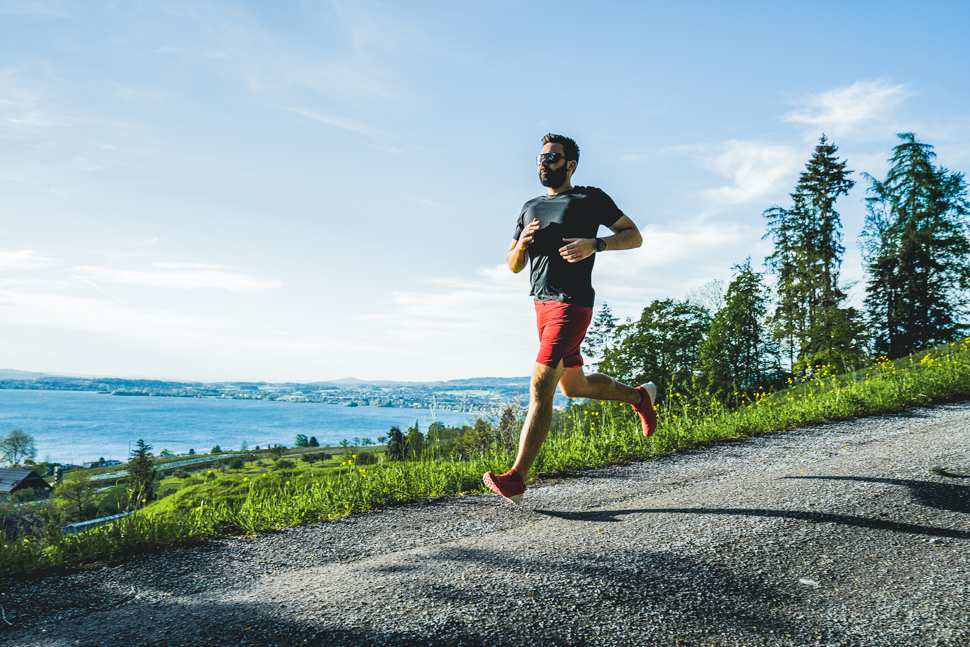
[
  {"x": 843, "y": 111},
  {"x": 23, "y": 260},
  {"x": 238, "y": 44},
  {"x": 185, "y": 276},
  {"x": 341, "y": 123},
  {"x": 23, "y": 107},
  {"x": 754, "y": 169},
  {"x": 458, "y": 314}
]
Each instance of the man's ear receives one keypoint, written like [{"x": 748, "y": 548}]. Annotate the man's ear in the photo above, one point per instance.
[{"x": 572, "y": 169}]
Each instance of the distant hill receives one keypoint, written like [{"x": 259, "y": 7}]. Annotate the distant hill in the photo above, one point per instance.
[{"x": 13, "y": 374}]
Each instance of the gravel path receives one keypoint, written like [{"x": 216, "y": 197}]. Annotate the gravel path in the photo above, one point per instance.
[{"x": 837, "y": 534}]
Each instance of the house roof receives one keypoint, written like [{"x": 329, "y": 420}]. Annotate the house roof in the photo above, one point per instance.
[{"x": 11, "y": 477}]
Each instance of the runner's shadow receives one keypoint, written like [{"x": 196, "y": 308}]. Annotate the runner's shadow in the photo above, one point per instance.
[
  {"x": 942, "y": 496},
  {"x": 797, "y": 515}
]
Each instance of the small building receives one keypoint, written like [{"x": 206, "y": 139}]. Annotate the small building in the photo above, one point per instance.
[{"x": 14, "y": 479}]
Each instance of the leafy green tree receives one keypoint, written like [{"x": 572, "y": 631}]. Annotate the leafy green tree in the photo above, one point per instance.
[
  {"x": 313, "y": 442},
  {"x": 414, "y": 441},
  {"x": 917, "y": 252},
  {"x": 395, "y": 444},
  {"x": 192, "y": 451},
  {"x": 738, "y": 353},
  {"x": 477, "y": 439},
  {"x": 76, "y": 495},
  {"x": 17, "y": 446},
  {"x": 509, "y": 426},
  {"x": 141, "y": 475},
  {"x": 599, "y": 336},
  {"x": 302, "y": 440},
  {"x": 661, "y": 346},
  {"x": 165, "y": 453},
  {"x": 216, "y": 449}
]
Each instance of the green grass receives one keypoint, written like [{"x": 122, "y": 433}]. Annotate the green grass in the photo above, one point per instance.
[{"x": 256, "y": 499}]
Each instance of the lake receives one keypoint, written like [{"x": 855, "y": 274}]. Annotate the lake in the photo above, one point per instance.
[{"x": 78, "y": 426}]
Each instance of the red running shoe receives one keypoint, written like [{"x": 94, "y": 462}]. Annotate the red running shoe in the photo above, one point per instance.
[
  {"x": 509, "y": 485},
  {"x": 648, "y": 415}
]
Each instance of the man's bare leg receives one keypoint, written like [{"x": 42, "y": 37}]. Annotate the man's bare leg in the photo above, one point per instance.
[
  {"x": 541, "y": 391},
  {"x": 596, "y": 386}
]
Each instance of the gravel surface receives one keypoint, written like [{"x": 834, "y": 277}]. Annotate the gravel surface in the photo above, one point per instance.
[{"x": 837, "y": 534}]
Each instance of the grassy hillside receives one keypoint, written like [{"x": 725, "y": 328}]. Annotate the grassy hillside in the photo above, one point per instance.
[{"x": 260, "y": 497}]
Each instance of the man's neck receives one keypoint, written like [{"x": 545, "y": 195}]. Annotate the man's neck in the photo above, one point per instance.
[{"x": 565, "y": 187}]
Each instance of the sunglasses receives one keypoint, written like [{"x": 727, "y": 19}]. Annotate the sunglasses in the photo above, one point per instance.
[{"x": 549, "y": 158}]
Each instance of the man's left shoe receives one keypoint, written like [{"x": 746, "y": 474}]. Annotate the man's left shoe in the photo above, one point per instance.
[
  {"x": 509, "y": 485},
  {"x": 648, "y": 415}
]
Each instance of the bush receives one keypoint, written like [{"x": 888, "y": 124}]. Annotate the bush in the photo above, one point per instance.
[
  {"x": 285, "y": 464},
  {"x": 236, "y": 463},
  {"x": 365, "y": 458}
]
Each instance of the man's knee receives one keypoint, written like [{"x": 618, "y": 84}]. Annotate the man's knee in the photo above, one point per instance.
[{"x": 543, "y": 385}]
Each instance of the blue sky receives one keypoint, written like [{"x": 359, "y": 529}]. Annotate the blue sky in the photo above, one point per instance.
[{"x": 308, "y": 191}]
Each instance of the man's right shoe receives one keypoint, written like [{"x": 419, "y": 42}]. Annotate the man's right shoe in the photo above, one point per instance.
[
  {"x": 648, "y": 415},
  {"x": 509, "y": 485}
]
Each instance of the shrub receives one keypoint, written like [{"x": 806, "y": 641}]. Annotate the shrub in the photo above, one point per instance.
[
  {"x": 364, "y": 458},
  {"x": 236, "y": 463},
  {"x": 284, "y": 464}
]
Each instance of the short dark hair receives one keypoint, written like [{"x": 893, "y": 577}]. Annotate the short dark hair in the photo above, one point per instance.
[{"x": 569, "y": 147}]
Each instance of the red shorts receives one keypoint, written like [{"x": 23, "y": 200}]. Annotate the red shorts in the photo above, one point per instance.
[{"x": 562, "y": 327}]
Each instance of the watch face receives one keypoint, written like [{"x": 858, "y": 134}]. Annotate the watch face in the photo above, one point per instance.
[{"x": 600, "y": 244}]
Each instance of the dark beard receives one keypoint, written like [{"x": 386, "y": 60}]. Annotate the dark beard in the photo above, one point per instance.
[{"x": 553, "y": 179}]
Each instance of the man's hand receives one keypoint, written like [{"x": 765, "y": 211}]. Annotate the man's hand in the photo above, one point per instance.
[
  {"x": 525, "y": 238},
  {"x": 577, "y": 249}
]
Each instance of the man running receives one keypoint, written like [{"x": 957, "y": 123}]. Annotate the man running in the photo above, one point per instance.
[{"x": 558, "y": 233}]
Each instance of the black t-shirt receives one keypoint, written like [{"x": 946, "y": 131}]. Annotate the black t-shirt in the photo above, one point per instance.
[{"x": 576, "y": 213}]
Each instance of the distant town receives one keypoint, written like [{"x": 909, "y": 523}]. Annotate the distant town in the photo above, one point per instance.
[{"x": 486, "y": 395}]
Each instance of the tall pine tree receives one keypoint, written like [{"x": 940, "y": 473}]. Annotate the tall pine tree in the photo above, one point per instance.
[
  {"x": 809, "y": 319},
  {"x": 917, "y": 252}
]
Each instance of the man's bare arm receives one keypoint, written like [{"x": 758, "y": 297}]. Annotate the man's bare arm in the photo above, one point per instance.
[
  {"x": 516, "y": 257},
  {"x": 518, "y": 250},
  {"x": 626, "y": 235}
]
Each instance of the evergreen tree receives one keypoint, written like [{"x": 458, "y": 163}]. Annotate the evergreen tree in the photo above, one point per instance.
[
  {"x": 661, "y": 346},
  {"x": 313, "y": 442},
  {"x": 809, "y": 319},
  {"x": 141, "y": 475},
  {"x": 414, "y": 441},
  {"x": 599, "y": 335},
  {"x": 302, "y": 441},
  {"x": 509, "y": 426},
  {"x": 395, "y": 444},
  {"x": 738, "y": 354},
  {"x": 917, "y": 252}
]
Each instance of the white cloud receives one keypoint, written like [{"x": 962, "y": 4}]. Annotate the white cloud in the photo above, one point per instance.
[
  {"x": 367, "y": 131},
  {"x": 23, "y": 260},
  {"x": 487, "y": 320},
  {"x": 754, "y": 169},
  {"x": 178, "y": 276},
  {"x": 845, "y": 110}
]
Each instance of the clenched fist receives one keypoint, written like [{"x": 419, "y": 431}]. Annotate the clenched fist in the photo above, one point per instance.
[
  {"x": 525, "y": 238},
  {"x": 577, "y": 249}
]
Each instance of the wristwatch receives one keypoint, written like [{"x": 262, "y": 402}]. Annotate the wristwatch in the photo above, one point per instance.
[{"x": 600, "y": 244}]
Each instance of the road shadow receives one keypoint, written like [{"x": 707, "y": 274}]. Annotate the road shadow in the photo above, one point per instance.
[
  {"x": 949, "y": 497},
  {"x": 941, "y": 496},
  {"x": 796, "y": 515},
  {"x": 207, "y": 622},
  {"x": 581, "y": 597}
]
